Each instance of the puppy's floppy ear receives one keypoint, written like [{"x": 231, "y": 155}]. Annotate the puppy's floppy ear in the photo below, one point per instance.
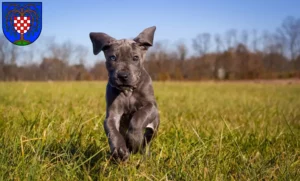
[
  {"x": 145, "y": 38},
  {"x": 100, "y": 41}
]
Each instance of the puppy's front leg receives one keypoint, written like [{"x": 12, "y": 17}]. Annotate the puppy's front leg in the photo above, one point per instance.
[
  {"x": 143, "y": 117},
  {"x": 116, "y": 141}
]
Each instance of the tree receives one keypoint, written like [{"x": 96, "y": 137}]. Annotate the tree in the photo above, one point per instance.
[
  {"x": 290, "y": 32},
  {"x": 244, "y": 37},
  {"x": 182, "y": 51},
  {"x": 230, "y": 38},
  {"x": 218, "y": 42},
  {"x": 61, "y": 51},
  {"x": 202, "y": 43},
  {"x": 80, "y": 54},
  {"x": 8, "y": 52},
  {"x": 254, "y": 40}
]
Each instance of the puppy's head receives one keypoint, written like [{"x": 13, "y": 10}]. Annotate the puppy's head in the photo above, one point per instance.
[{"x": 124, "y": 58}]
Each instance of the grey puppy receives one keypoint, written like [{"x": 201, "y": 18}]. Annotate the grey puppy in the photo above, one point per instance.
[{"x": 132, "y": 117}]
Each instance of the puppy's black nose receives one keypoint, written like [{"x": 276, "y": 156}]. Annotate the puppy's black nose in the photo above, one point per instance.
[{"x": 123, "y": 75}]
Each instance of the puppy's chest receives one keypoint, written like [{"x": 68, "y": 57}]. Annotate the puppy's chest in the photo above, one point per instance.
[{"x": 131, "y": 104}]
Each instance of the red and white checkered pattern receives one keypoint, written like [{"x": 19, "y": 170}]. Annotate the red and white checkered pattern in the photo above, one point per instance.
[{"x": 22, "y": 24}]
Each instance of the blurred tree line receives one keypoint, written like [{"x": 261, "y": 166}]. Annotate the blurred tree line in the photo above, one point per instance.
[{"x": 233, "y": 55}]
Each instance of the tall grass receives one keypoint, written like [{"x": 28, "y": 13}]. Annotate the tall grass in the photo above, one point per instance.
[{"x": 208, "y": 131}]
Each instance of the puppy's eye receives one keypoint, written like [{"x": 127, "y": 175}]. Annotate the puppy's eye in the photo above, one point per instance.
[
  {"x": 135, "y": 58},
  {"x": 112, "y": 58}
]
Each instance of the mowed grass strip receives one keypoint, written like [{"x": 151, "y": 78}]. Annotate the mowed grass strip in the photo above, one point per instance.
[{"x": 208, "y": 131}]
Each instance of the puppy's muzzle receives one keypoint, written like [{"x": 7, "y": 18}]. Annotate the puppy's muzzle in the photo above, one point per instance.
[{"x": 123, "y": 76}]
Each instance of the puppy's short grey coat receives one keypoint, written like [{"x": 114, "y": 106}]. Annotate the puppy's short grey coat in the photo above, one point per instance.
[{"x": 132, "y": 117}]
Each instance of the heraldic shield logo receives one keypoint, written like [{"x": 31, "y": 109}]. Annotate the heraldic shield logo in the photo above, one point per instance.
[{"x": 22, "y": 21}]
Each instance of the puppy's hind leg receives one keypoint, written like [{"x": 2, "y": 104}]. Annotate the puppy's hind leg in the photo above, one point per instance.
[{"x": 150, "y": 131}]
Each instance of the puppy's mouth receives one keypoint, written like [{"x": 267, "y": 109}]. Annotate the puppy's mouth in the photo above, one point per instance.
[
  {"x": 126, "y": 88},
  {"x": 123, "y": 87}
]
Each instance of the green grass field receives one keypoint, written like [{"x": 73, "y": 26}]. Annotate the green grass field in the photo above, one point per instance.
[{"x": 208, "y": 131}]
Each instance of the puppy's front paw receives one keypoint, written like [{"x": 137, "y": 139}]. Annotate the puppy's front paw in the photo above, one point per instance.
[
  {"x": 134, "y": 141},
  {"x": 120, "y": 153}
]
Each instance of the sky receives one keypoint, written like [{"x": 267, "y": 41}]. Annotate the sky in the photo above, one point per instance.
[{"x": 67, "y": 20}]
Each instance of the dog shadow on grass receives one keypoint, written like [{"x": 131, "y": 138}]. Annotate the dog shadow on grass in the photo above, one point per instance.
[
  {"x": 89, "y": 159},
  {"x": 85, "y": 154}
]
